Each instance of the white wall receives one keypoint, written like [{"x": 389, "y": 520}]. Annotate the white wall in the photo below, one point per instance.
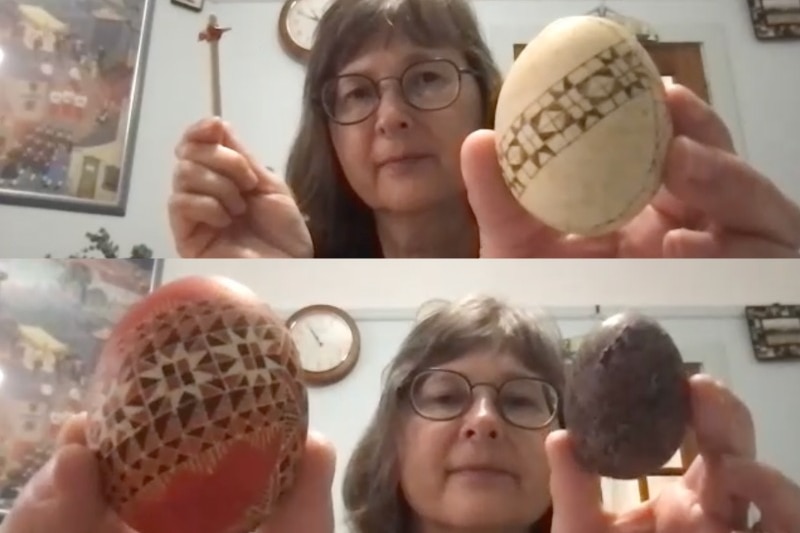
[
  {"x": 261, "y": 94},
  {"x": 699, "y": 303}
]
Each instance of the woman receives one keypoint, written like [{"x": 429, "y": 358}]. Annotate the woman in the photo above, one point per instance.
[
  {"x": 466, "y": 438},
  {"x": 395, "y": 158}
]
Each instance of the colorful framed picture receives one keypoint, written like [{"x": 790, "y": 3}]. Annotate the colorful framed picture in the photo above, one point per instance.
[
  {"x": 55, "y": 315},
  {"x": 71, "y": 78}
]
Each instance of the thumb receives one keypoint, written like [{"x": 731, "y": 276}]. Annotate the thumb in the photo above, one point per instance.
[
  {"x": 576, "y": 494},
  {"x": 64, "y": 495},
  {"x": 491, "y": 199},
  {"x": 208, "y": 130},
  {"x": 307, "y": 507}
]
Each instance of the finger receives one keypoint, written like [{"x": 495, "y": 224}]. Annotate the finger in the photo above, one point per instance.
[
  {"x": 694, "y": 118},
  {"x": 774, "y": 494},
  {"x": 73, "y": 431},
  {"x": 222, "y": 160},
  {"x": 722, "y": 422},
  {"x": 576, "y": 494},
  {"x": 675, "y": 212},
  {"x": 686, "y": 243},
  {"x": 214, "y": 130},
  {"x": 308, "y": 505},
  {"x": 192, "y": 178},
  {"x": 187, "y": 210},
  {"x": 64, "y": 495},
  {"x": 496, "y": 210},
  {"x": 730, "y": 192},
  {"x": 279, "y": 224},
  {"x": 211, "y": 130},
  {"x": 723, "y": 425}
]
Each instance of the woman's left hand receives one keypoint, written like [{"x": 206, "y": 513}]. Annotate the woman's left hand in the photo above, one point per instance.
[
  {"x": 712, "y": 204},
  {"x": 713, "y": 496}
]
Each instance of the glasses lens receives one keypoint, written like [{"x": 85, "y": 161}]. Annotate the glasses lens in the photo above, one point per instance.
[
  {"x": 440, "y": 395},
  {"x": 528, "y": 403},
  {"x": 431, "y": 84},
  {"x": 349, "y": 98}
]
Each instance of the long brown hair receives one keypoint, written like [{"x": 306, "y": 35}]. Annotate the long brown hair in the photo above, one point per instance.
[
  {"x": 341, "y": 224},
  {"x": 371, "y": 488}
]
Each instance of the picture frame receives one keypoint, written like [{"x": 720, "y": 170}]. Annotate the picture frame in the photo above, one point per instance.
[
  {"x": 778, "y": 23},
  {"x": 70, "y": 94},
  {"x": 55, "y": 316},
  {"x": 192, "y": 5},
  {"x": 774, "y": 331}
]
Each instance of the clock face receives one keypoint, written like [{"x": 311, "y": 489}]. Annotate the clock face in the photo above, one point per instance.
[
  {"x": 302, "y": 20},
  {"x": 323, "y": 339}
]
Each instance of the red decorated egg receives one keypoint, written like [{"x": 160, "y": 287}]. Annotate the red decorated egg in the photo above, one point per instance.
[{"x": 197, "y": 410}]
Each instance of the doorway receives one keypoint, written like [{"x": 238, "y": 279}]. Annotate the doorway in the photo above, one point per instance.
[{"x": 683, "y": 62}]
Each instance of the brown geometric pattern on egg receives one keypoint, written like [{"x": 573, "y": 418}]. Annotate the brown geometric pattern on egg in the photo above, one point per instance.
[
  {"x": 569, "y": 108},
  {"x": 192, "y": 379}
]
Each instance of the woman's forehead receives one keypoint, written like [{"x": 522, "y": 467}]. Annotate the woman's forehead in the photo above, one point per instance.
[
  {"x": 394, "y": 53},
  {"x": 490, "y": 363}
]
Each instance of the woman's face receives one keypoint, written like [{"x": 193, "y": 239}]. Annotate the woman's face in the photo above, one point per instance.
[
  {"x": 476, "y": 470},
  {"x": 401, "y": 159}
]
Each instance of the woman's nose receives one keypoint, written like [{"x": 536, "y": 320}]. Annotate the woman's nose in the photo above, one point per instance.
[
  {"x": 482, "y": 421},
  {"x": 392, "y": 113}
]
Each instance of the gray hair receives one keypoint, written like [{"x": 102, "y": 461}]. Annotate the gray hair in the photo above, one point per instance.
[{"x": 372, "y": 495}]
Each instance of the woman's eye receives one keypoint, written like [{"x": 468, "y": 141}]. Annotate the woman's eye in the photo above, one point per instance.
[{"x": 520, "y": 401}]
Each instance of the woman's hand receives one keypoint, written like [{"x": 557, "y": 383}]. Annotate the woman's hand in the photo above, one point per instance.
[
  {"x": 713, "y": 496},
  {"x": 65, "y": 495},
  {"x": 712, "y": 204},
  {"x": 224, "y": 204}
]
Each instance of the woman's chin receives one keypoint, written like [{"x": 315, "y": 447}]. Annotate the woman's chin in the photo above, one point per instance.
[
  {"x": 486, "y": 508},
  {"x": 399, "y": 196}
]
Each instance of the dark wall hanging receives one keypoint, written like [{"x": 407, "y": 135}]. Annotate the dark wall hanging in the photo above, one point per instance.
[
  {"x": 775, "y": 19},
  {"x": 774, "y": 331}
]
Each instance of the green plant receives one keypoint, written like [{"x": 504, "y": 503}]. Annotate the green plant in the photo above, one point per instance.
[{"x": 101, "y": 243}]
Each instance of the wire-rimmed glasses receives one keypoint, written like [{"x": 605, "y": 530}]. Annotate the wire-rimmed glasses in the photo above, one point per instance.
[
  {"x": 427, "y": 85},
  {"x": 525, "y": 402}
]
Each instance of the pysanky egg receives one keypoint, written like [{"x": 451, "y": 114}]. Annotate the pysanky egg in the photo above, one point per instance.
[
  {"x": 582, "y": 126},
  {"x": 627, "y": 400},
  {"x": 197, "y": 410}
]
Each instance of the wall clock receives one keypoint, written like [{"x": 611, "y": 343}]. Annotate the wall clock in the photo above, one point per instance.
[
  {"x": 297, "y": 25},
  {"x": 328, "y": 340}
]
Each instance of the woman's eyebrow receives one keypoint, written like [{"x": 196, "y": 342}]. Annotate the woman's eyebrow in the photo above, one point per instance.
[{"x": 360, "y": 66}]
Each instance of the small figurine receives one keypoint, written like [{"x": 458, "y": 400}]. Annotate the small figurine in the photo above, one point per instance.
[{"x": 212, "y": 34}]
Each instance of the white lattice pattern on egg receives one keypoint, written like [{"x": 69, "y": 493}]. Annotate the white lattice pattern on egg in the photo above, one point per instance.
[
  {"x": 567, "y": 110},
  {"x": 190, "y": 381}
]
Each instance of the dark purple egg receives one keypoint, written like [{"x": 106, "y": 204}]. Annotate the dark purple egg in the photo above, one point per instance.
[{"x": 627, "y": 403}]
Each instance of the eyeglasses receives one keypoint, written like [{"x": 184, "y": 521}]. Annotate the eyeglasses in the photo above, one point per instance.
[
  {"x": 438, "y": 394},
  {"x": 428, "y": 86}
]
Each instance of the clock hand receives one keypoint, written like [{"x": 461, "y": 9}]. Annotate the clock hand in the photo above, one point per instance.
[
  {"x": 314, "y": 334},
  {"x": 311, "y": 16}
]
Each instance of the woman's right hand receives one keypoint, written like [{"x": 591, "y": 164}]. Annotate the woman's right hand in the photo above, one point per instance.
[
  {"x": 65, "y": 495},
  {"x": 225, "y": 204}
]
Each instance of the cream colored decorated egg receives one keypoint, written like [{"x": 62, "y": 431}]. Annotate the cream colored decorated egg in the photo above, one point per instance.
[{"x": 583, "y": 127}]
